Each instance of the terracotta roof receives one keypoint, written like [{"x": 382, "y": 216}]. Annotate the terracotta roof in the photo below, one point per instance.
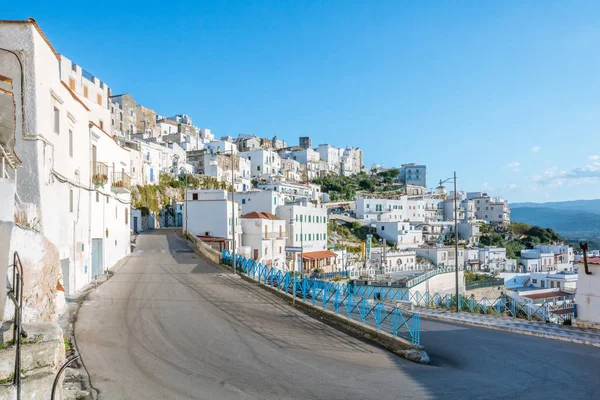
[
  {"x": 547, "y": 295},
  {"x": 37, "y": 27},
  {"x": 318, "y": 255},
  {"x": 75, "y": 96},
  {"x": 261, "y": 215}
]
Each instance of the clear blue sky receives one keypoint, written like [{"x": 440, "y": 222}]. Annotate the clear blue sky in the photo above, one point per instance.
[{"x": 505, "y": 93}]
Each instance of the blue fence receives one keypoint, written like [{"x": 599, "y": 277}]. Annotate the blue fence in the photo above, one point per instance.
[
  {"x": 549, "y": 311},
  {"x": 337, "y": 297},
  {"x": 330, "y": 275}
]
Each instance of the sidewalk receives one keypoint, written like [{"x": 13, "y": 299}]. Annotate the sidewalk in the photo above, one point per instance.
[{"x": 552, "y": 331}]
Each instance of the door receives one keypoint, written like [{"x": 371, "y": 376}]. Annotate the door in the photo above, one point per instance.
[
  {"x": 135, "y": 225},
  {"x": 64, "y": 266},
  {"x": 94, "y": 159},
  {"x": 97, "y": 259},
  {"x": 179, "y": 219},
  {"x": 256, "y": 254}
]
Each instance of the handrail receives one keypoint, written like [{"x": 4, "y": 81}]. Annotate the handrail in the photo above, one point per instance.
[{"x": 15, "y": 293}]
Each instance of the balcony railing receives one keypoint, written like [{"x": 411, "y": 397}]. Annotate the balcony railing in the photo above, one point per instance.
[
  {"x": 274, "y": 235},
  {"x": 121, "y": 180},
  {"x": 99, "y": 174}
]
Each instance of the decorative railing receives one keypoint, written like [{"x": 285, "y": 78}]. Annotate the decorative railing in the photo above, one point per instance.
[
  {"x": 337, "y": 297},
  {"x": 100, "y": 174},
  {"x": 121, "y": 180}
]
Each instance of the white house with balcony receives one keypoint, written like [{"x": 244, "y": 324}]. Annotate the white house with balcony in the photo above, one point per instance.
[
  {"x": 291, "y": 190},
  {"x": 265, "y": 234},
  {"x": 534, "y": 260},
  {"x": 307, "y": 228},
  {"x": 264, "y": 162},
  {"x": 494, "y": 210},
  {"x": 331, "y": 157},
  {"x": 65, "y": 122},
  {"x": 402, "y": 234},
  {"x": 211, "y": 215},
  {"x": 414, "y": 174}
]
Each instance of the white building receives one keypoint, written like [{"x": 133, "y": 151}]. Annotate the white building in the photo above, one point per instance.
[
  {"x": 491, "y": 255},
  {"x": 441, "y": 256},
  {"x": 221, "y": 146},
  {"x": 264, "y": 162},
  {"x": 219, "y": 166},
  {"x": 291, "y": 170},
  {"x": 562, "y": 253},
  {"x": 414, "y": 174},
  {"x": 260, "y": 201},
  {"x": 331, "y": 156},
  {"x": 169, "y": 158},
  {"x": 351, "y": 161},
  {"x": 391, "y": 258},
  {"x": 588, "y": 294},
  {"x": 399, "y": 233},
  {"x": 494, "y": 210},
  {"x": 534, "y": 260},
  {"x": 210, "y": 214},
  {"x": 307, "y": 228},
  {"x": 292, "y": 191},
  {"x": 60, "y": 140},
  {"x": 265, "y": 234}
]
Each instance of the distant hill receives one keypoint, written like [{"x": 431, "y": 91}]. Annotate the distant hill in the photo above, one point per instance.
[
  {"x": 563, "y": 221},
  {"x": 590, "y": 206}
]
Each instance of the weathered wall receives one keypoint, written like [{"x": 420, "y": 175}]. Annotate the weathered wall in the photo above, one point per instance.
[
  {"x": 204, "y": 249},
  {"x": 41, "y": 271}
]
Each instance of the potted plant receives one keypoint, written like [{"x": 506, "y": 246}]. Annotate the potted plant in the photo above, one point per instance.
[{"x": 99, "y": 180}]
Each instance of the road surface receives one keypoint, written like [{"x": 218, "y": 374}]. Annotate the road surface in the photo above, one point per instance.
[{"x": 169, "y": 325}]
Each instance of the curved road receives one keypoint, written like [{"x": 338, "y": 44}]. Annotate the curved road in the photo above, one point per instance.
[{"x": 168, "y": 325}]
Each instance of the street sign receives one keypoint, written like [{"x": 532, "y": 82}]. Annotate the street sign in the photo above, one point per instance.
[{"x": 293, "y": 249}]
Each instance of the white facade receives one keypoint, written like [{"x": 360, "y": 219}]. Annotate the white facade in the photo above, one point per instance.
[
  {"x": 218, "y": 165},
  {"x": 264, "y": 162},
  {"x": 441, "y": 256},
  {"x": 399, "y": 233},
  {"x": 221, "y": 146},
  {"x": 391, "y": 258},
  {"x": 562, "y": 253},
  {"x": 55, "y": 140},
  {"x": 291, "y": 170},
  {"x": 331, "y": 156},
  {"x": 351, "y": 161},
  {"x": 491, "y": 209},
  {"x": 260, "y": 200},
  {"x": 534, "y": 260},
  {"x": 265, "y": 234},
  {"x": 210, "y": 213},
  {"x": 291, "y": 190},
  {"x": 306, "y": 225}
]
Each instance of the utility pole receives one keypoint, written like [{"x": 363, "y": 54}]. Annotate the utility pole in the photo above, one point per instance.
[
  {"x": 301, "y": 244},
  {"x": 186, "y": 204},
  {"x": 456, "y": 243},
  {"x": 233, "y": 211}
]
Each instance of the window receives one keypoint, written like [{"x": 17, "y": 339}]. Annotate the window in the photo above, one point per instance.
[
  {"x": 85, "y": 92},
  {"x": 243, "y": 201},
  {"x": 309, "y": 218},
  {"x": 551, "y": 284},
  {"x": 116, "y": 212},
  {"x": 71, "y": 83},
  {"x": 280, "y": 250},
  {"x": 131, "y": 113},
  {"x": 70, "y": 143},
  {"x": 97, "y": 197},
  {"x": 258, "y": 167},
  {"x": 56, "y": 115},
  {"x": 296, "y": 237},
  {"x": 558, "y": 284},
  {"x": 126, "y": 216},
  {"x": 107, "y": 198},
  {"x": 309, "y": 236},
  {"x": 101, "y": 123},
  {"x": 99, "y": 99},
  {"x": 543, "y": 283},
  {"x": 383, "y": 228},
  {"x": 194, "y": 196},
  {"x": 71, "y": 200}
]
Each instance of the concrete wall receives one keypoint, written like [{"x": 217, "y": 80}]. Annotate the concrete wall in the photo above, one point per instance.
[
  {"x": 588, "y": 297},
  {"x": 7, "y": 199},
  {"x": 442, "y": 284}
]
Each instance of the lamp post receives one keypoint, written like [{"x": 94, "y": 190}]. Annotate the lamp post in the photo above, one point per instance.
[
  {"x": 231, "y": 153},
  {"x": 455, "y": 238}
]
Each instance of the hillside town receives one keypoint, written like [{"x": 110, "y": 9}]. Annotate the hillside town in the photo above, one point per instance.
[{"x": 86, "y": 170}]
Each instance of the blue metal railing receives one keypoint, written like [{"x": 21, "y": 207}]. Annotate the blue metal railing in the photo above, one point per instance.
[{"x": 334, "y": 296}]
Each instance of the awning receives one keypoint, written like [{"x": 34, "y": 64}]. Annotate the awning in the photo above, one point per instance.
[{"x": 319, "y": 255}]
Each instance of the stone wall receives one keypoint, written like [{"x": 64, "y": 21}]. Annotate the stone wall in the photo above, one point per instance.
[
  {"x": 41, "y": 271},
  {"x": 204, "y": 249}
]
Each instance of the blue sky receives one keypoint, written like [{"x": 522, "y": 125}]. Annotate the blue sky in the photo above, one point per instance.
[{"x": 505, "y": 93}]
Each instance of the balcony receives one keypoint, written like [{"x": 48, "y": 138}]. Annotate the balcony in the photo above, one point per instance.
[
  {"x": 274, "y": 235},
  {"x": 100, "y": 174},
  {"x": 121, "y": 182}
]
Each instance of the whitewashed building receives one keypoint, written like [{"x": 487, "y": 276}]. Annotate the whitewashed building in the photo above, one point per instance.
[
  {"x": 307, "y": 229},
  {"x": 60, "y": 140},
  {"x": 211, "y": 214},
  {"x": 414, "y": 174},
  {"x": 403, "y": 234},
  {"x": 291, "y": 190},
  {"x": 265, "y": 234},
  {"x": 264, "y": 162},
  {"x": 260, "y": 201}
]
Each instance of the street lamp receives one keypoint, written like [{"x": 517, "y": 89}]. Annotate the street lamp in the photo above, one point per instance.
[
  {"x": 231, "y": 153},
  {"x": 455, "y": 238}
]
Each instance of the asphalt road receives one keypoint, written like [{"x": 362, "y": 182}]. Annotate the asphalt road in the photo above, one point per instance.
[{"x": 169, "y": 325}]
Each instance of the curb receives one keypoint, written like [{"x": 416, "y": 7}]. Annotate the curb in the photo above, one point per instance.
[{"x": 512, "y": 330}]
